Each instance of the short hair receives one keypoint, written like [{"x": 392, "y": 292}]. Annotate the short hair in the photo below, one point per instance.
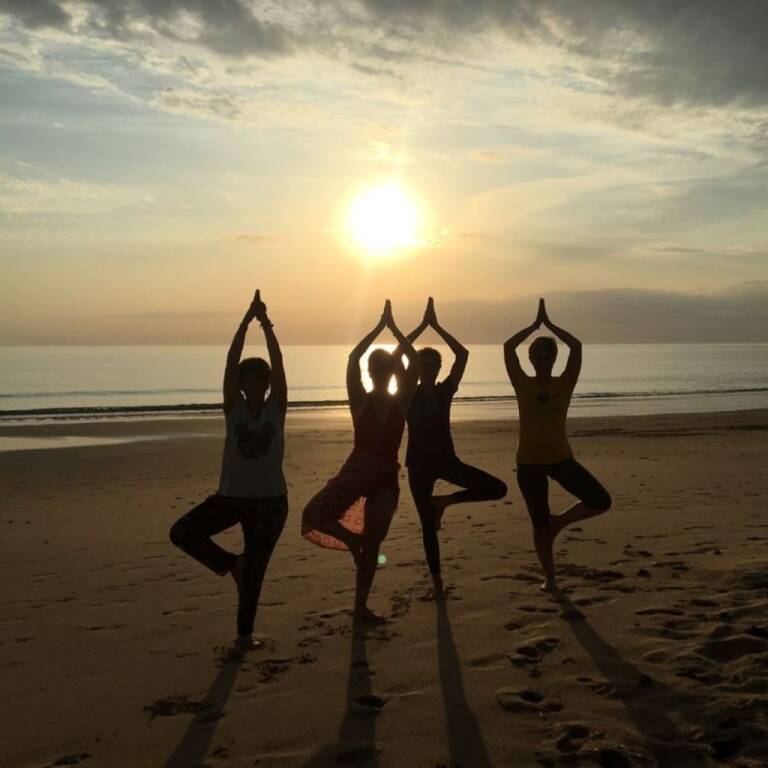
[
  {"x": 379, "y": 358},
  {"x": 430, "y": 354},
  {"x": 254, "y": 366},
  {"x": 543, "y": 341}
]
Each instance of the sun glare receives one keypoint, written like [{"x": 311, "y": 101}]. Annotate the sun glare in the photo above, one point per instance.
[{"x": 383, "y": 220}]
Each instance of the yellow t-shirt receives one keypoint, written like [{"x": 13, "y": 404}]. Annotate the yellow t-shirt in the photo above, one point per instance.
[{"x": 543, "y": 410}]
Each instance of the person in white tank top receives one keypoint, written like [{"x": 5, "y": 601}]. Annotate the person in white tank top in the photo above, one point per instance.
[{"x": 252, "y": 490}]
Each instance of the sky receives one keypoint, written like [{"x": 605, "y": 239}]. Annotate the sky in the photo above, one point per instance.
[{"x": 160, "y": 159}]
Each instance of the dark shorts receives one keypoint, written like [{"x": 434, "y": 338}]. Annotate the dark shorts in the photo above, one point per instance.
[{"x": 533, "y": 480}]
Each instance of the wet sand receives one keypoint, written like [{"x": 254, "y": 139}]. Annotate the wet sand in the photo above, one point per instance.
[{"x": 114, "y": 645}]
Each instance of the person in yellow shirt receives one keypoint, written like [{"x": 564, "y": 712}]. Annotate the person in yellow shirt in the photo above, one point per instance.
[{"x": 544, "y": 450}]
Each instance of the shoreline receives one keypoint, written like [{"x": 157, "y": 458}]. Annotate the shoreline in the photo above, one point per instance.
[
  {"x": 114, "y": 432},
  {"x": 150, "y": 410}
]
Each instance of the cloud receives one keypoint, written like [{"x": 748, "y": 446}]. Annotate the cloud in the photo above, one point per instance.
[
  {"x": 693, "y": 52},
  {"x": 703, "y": 52},
  {"x": 199, "y": 103},
  {"x": 228, "y": 27},
  {"x": 36, "y": 14},
  {"x": 35, "y": 197}
]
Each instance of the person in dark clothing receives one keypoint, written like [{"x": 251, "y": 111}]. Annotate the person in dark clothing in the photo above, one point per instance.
[
  {"x": 431, "y": 455},
  {"x": 252, "y": 489}
]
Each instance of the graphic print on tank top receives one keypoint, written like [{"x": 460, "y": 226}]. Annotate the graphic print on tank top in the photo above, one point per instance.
[{"x": 252, "y": 443}]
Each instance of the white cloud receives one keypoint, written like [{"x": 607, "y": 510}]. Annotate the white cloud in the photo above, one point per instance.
[{"x": 25, "y": 197}]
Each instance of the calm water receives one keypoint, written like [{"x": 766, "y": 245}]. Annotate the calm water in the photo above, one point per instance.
[{"x": 616, "y": 379}]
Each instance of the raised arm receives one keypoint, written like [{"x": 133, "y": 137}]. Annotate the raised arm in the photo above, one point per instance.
[
  {"x": 355, "y": 389},
  {"x": 407, "y": 378},
  {"x": 231, "y": 371},
  {"x": 573, "y": 366},
  {"x": 278, "y": 386},
  {"x": 460, "y": 352},
  {"x": 511, "y": 360}
]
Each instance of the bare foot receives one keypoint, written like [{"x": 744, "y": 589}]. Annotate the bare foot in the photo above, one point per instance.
[
  {"x": 550, "y": 586},
  {"x": 439, "y": 503},
  {"x": 366, "y": 614},
  {"x": 438, "y": 590},
  {"x": 247, "y": 643},
  {"x": 238, "y": 572}
]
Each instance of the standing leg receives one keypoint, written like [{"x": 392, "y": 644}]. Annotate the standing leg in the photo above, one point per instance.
[
  {"x": 192, "y": 532},
  {"x": 422, "y": 483},
  {"x": 578, "y": 481},
  {"x": 263, "y": 522},
  {"x": 478, "y": 485},
  {"x": 379, "y": 509},
  {"x": 534, "y": 486}
]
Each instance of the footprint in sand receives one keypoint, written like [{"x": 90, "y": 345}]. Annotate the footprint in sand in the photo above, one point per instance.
[
  {"x": 401, "y": 604},
  {"x": 170, "y": 706},
  {"x": 602, "y": 575},
  {"x": 270, "y": 669},
  {"x": 630, "y": 551},
  {"x": 595, "y": 600},
  {"x": 659, "y": 612},
  {"x": 525, "y": 701},
  {"x": 572, "y": 738},
  {"x": 536, "y": 609},
  {"x": 601, "y": 688},
  {"x": 732, "y": 648},
  {"x": 530, "y": 655}
]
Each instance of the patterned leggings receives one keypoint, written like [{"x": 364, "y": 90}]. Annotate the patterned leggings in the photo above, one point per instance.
[{"x": 262, "y": 521}]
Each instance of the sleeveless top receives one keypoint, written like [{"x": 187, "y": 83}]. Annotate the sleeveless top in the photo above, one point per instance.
[
  {"x": 543, "y": 409},
  {"x": 252, "y": 464},
  {"x": 429, "y": 426},
  {"x": 379, "y": 438}
]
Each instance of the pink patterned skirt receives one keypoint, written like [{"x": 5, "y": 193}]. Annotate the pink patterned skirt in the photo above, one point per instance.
[{"x": 343, "y": 498}]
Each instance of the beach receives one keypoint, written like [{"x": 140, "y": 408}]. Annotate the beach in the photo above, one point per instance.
[{"x": 115, "y": 645}]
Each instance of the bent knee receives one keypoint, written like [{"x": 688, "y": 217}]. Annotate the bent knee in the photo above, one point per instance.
[
  {"x": 499, "y": 490},
  {"x": 177, "y": 533},
  {"x": 601, "y": 503}
]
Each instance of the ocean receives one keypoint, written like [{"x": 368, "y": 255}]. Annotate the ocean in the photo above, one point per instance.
[{"x": 90, "y": 382}]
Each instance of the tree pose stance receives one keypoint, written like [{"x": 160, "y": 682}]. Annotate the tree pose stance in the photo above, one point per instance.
[
  {"x": 252, "y": 490},
  {"x": 354, "y": 510},
  {"x": 431, "y": 455},
  {"x": 544, "y": 450}
]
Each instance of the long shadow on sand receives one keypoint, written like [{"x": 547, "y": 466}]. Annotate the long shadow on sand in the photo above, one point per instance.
[
  {"x": 466, "y": 746},
  {"x": 194, "y": 745},
  {"x": 647, "y": 701},
  {"x": 356, "y": 742}
]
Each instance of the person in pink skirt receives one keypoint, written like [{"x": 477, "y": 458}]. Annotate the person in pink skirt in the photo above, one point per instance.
[{"x": 355, "y": 508}]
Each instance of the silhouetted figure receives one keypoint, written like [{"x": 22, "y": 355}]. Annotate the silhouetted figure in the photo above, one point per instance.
[
  {"x": 544, "y": 450},
  {"x": 431, "y": 455},
  {"x": 355, "y": 508},
  {"x": 252, "y": 490}
]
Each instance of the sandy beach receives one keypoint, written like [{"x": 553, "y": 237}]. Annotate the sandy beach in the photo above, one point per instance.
[{"x": 114, "y": 645}]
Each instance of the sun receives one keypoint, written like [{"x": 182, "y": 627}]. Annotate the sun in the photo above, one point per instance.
[{"x": 383, "y": 220}]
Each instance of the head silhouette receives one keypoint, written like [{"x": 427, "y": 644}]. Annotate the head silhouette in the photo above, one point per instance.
[
  {"x": 381, "y": 368},
  {"x": 254, "y": 378},
  {"x": 430, "y": 362},
  {"x": 542, "y": 353}
]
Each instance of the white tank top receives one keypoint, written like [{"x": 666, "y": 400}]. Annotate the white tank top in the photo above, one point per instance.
[{"x": 252, "y": 464}]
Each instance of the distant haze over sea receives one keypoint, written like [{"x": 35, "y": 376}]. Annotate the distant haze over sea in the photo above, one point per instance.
[{"x": 738, "y": 314}]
